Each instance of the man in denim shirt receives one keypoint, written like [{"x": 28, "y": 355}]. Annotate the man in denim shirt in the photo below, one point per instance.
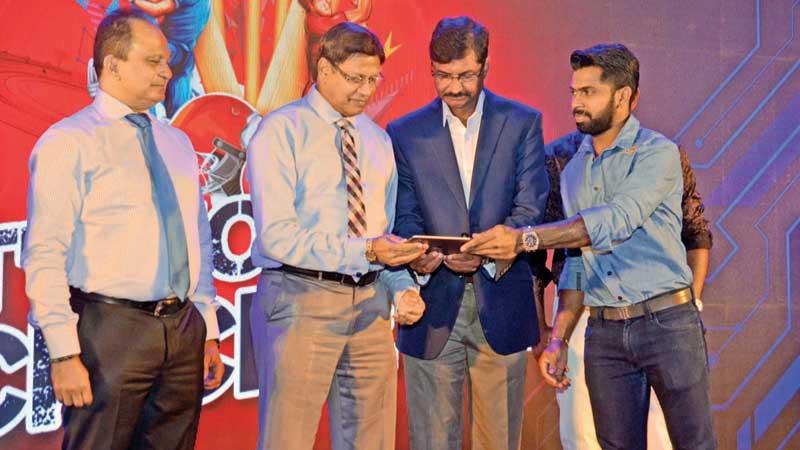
[
  {"x": 622, "y": 195},
  {"x": 576, "y": 421}
]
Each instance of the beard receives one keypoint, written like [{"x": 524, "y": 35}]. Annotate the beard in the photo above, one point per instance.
[{"x": 596, "y": 125}]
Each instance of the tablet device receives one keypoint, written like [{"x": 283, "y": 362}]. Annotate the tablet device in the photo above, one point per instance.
[{"x": 445, "y": 245}]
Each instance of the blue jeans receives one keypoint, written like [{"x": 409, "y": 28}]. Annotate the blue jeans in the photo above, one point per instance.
[{"x": 665, "y": 350}]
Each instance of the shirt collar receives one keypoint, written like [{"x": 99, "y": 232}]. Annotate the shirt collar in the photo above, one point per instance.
[
  {"x": 625, "y": 138},
  {"x": 324, "y": 109},
  {"x": 627, "y": 135},
  {"x": 111, "y": 107},
  {"x": 477, "y": 114}
]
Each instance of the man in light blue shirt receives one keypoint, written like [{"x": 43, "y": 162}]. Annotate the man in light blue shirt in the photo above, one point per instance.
[
  {"x": 324, "y": 186},
  {"x": 117, "y": 257},
  {"x": 622, "y": 193}
]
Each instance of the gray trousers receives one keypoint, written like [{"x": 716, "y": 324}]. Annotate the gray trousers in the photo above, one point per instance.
[
  {"x": 316, "y": 341},
  {"x": 496, "y": 386}
]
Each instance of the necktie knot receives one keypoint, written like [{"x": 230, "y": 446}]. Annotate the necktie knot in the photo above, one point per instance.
[
  {"x": 344, "y": 125},
  {"x": 140, "y": 120}
]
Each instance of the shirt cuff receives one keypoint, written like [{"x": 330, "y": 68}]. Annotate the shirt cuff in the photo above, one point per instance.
[
  {"x": 597, "y": 220},
  {"x": 696, "y": 241},
  {"x": 62, "y": 339},
  {"x": 397, "y": 281},
  {"x": 490, "y": 268},
  {"x": 398, "y": 294},
  {"x": 421, "y": 279},
  {"x": 209, "y": 314}
]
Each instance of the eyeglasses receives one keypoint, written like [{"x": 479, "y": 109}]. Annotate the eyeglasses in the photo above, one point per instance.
[
  {"x": 359, "y": 80},
  {"x": 463, "y": 78}
]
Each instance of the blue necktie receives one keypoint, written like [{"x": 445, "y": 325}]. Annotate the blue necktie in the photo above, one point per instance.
[{"x": 166, "y": 202}]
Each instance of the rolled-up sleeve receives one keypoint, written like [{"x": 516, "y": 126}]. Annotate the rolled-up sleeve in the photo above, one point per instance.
[{"x": 655, "y": 174}]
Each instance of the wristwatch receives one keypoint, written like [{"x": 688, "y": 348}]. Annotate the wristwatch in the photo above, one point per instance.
[
  {"x": 370, "y": 253},
  {"x": 530, "y": 240}
]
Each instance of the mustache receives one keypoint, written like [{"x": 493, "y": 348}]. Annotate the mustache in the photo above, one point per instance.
[{"x": 581, "y": 112}]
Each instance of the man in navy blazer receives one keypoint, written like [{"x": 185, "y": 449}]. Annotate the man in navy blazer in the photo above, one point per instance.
[{"x": 466, "y": 162}]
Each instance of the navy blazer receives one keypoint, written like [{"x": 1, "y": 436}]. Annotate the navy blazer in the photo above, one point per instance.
[{"x": 509, "y": 186}]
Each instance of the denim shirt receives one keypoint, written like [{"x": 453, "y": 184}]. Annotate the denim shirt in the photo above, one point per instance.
[{"x": 630, "y": 200}]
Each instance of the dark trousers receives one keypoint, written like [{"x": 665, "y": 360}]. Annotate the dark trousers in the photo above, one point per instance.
[
  {"x": 146, "y": 374},
  {"x": 665, "y": 350}
]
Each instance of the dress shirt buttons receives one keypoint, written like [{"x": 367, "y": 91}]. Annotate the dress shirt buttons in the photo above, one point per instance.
[
  {"x": 596, "y": 188},
  {"x": 609, "y": 273},
  {"x": 619, "y": 298},
  {"x": 358, "y": 274}
]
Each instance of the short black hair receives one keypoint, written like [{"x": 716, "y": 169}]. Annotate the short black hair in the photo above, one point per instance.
[
  {"x": 346, "y": 39},
  {"x": 619, "y": 65},
  {"x": 454, "y": 36},
  {"x": 114, "y": 36}
]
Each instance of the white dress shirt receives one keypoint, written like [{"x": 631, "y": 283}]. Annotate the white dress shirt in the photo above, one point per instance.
[
  {"x": 298, "y": 190},
  {"x": 465, "y": 140},
  {"x": 93, "y": 223},
  {"x": 465, "y": 144}
]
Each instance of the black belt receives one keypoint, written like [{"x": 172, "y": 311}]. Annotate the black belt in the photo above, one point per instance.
[
  {"x": 158, "y": 308},
  {"x": 653, "y": 304},
  {"x": 347, "y": 280}
]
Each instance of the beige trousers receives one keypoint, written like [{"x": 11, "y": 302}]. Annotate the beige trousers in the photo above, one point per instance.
[{"x": 319, "y": 340}]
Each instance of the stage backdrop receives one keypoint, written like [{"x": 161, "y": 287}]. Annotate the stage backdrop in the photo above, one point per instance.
[{"x": 720, "y": 77}]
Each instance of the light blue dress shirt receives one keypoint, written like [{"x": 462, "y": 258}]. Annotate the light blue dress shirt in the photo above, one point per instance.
[
  {"x": 92, "y": 223},
  {"x": 299, "y": 193},
  {"x": 630, "y": 200}
]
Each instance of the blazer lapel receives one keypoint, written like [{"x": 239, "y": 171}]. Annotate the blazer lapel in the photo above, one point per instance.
[{"x": 492, "y": 124}]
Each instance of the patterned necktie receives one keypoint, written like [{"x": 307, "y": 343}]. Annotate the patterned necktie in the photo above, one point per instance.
[
  {"x": 357, "y": 216},
  {"x": 166, "y": 201}
]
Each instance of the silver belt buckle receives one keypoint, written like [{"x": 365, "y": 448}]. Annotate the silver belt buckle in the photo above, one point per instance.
[
  {"x": 624, "y": 313},
  {"x": 159, "y": 308},
  {"x": 163, "y": 304}
]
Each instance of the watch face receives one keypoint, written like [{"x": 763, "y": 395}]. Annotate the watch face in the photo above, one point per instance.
[{"x": 529, "y": 240}]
